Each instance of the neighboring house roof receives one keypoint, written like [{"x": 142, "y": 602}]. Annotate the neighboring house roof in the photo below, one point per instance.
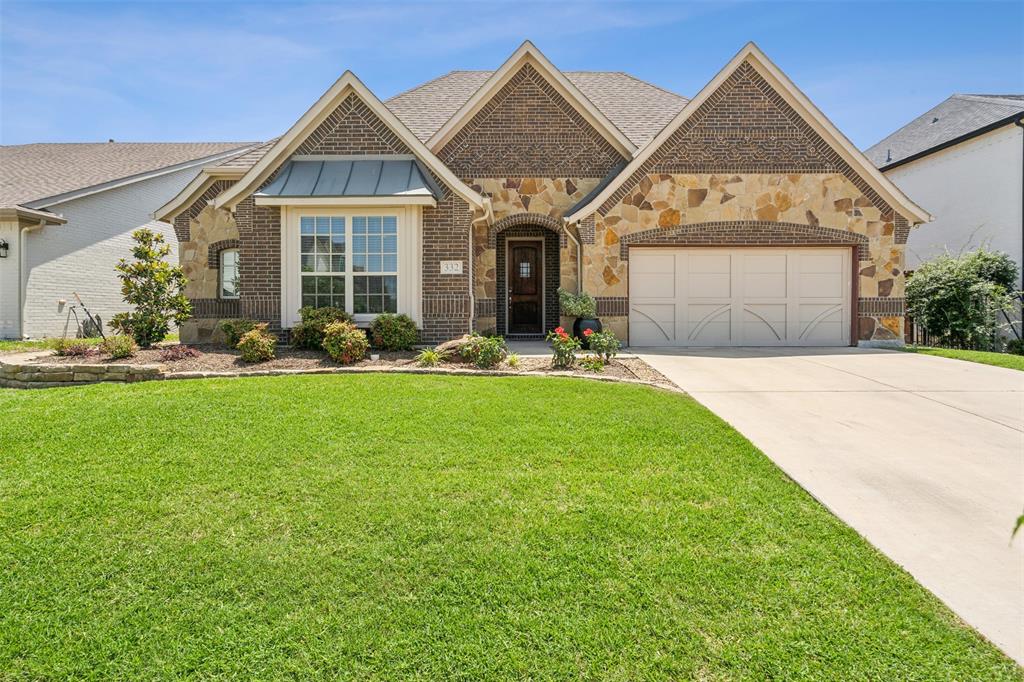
[
  {"x": 753, "y": 55},
  {"x": 31, "y": 174},
  {"x": 637, "y": 108},
  {"x": 954, "y": 120},
  {"x": 386, "y": 176}
]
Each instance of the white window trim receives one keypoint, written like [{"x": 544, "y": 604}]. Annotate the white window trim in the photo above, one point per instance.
[
  {"x": 409, "y": 258},
  {"x": 220, "y": 273}
]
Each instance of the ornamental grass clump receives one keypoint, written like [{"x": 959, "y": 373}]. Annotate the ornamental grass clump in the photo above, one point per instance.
[
  {"x": 564, "y": 348},
  {"x": 430, "y": 357},
  {"x": 257, "y": 345},
  {"x": 309, "y": 333},
  {"x": 484, "y": 352},
  {"x": 119, "y": 346},
  {"x": 345, "y": 343},
  {"x": 393, "y": 332}
]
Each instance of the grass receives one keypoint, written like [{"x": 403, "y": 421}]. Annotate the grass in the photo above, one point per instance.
[
  {"x": 51, "y": 342},
  {"x": 1007, "y": 360},
  {"x": 425, "y": 527}
]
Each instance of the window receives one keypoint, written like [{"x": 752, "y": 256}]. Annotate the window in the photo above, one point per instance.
[
  {"x": 229, "y": 276},
  {"x": 367, "y": 270}
]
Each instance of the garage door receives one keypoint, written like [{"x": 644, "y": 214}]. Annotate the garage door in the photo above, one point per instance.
[{"x": 739, "y": 297}]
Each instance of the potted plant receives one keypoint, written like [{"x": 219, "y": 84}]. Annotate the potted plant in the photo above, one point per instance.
[{"x": 583, "y": 307}]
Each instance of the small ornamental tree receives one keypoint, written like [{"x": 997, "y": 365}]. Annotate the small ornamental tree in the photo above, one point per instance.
[
  {"x": 153, "y": 287},
  {"x": 958, "y": 299}
]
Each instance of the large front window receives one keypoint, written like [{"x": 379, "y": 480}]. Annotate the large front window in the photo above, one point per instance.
[{"x": 355, "y": 255}]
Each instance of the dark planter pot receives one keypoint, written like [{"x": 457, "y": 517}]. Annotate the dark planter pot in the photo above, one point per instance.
[{"x": 582, "y": 323}]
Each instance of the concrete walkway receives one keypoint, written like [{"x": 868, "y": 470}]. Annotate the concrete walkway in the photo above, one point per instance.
[{"x": 924, "y": 456}]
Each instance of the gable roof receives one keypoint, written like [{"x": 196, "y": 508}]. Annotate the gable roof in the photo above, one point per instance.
[
  {"x": 958, "y": 118},
  {"x": 637, "y": 108},
  {"x": 278, "y": 150},
  {"x": 753, "y": 55},
  {"x": 527, "y": 53},
  {"x": 40, "y": 175}
]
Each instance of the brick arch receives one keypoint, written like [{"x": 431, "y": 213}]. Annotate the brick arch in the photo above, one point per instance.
[
  {"x": 214, "y": 249},
  {"x": 745, "y": 233},
  {"x": 523, "y": 220}
]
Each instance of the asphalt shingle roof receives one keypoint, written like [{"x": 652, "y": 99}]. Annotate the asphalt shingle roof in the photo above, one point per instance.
[
  {"x": 957, "y": 116},
  {"x": 31, "y": 172},
  {"x": 637, "y": 108}
]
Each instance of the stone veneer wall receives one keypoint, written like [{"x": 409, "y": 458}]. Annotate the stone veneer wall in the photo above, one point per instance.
[
  {"x": 746, "y": 169},
  {"x": 28, "y": 375}
]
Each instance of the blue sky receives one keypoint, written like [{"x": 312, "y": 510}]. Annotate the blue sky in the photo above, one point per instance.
[{"x": 171, "y": 71}]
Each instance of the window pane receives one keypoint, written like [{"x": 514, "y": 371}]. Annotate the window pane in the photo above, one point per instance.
[
  {"x": 338, "y": 225},
  {"x": 390, "y": 264},
  {"x": 307, "y": 263},
  {"x": 306, "y": 225},
  {"x": 323, "y": 225},
  {"x": 359, "y": 244},
  {"x": 308, "y": 300},
  {"x": 338, "y": 243},
  {"x": 373, "y": 263},
  {"x": 390, "y": 304},
  {"x": 323, "y": 263},
  {"x": 390, "y": 224},
  {"x": 308, "y": 285},
  {"x": 306, "y": 244},
  {"x": 359, "y": 225},
  {"x": 338, "y": 286},
  {"x": 359, "y": 305},
  {"x": 323, "y": 244},
  {"x": 229, "y": 274},
  {"x": 390, "y": 243},
  {"x": 390, "y": 285},
  {"x": 359, "y": 263}
]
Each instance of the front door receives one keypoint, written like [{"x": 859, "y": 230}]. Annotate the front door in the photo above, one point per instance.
[{"x": 525, "y": 309}]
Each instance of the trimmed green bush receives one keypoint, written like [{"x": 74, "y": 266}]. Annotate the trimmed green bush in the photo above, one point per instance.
[
  {"x": 345, "y": 343},
  {"x": 119, "y": 346},
  {"x": 257, "y": 344},
  {"x": 484, "y": 351},
  {"x": 577, "y": 305},
  {"x": 309, "y": 333},
  {"x": 234, "y": 330},
  {"x": 393, "y": 332}
]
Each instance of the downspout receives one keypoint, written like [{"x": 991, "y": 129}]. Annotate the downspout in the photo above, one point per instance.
[
  {"x": 579, "y": 256},
  {"x": 1020, "y": 124},
  {"x": 22, "y": 285},
  {"x": 487, "y": 218}
]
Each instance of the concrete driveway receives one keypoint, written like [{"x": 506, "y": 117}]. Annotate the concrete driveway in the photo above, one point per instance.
[{"x": 924, "y": 456}]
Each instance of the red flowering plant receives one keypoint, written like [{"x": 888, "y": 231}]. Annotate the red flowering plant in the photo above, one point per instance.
[{"x": 564, "y": 348}]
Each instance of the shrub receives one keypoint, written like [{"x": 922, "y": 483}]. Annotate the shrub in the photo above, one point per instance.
[
  {"x": 957, "y": 299},
  {"x": 257, "y": 345},
  {"x": 234, "y": 330},
  {"x": 1015, "y": 346},
  {"x": 592, "y": 363},
  {"x": 345, "y": 343},
  {"x": 119, "y": 346},
  {"x": 513, "y": 360},
  {"x": 430, "y": 357},
  {"x": 71, "y": 348},
  {"x": 153, "y": 287},
  {"x": 564, "y": 348},
  {"x": 393, "y": 332},
  {"x": 179, "y": 352},
  {"x": 577, "y": 305},
  {"x": 310, "y": 332},
  {"x": 603, "y": 344},
  {"x": 484, "y": 351}
]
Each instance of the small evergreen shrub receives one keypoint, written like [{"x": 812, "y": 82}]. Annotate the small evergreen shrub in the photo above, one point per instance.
[
  {"x": 257, "y": 345},
  {"x": 119, "y": 346},
  {"x": 234, "y": 330},
  {"x": 179, "y": 352},
  {"x": 345, "y": 343},
  {"x": 603, "y": 344},
  {"x": 484, "y": 351},
  {"x": 393, "y": 332},
  {"x": 309, "y": 333},
  {"x": 430, "y": 357},
  {"x": 577, "y": 305},
  {"x": 72, "y": 348}
]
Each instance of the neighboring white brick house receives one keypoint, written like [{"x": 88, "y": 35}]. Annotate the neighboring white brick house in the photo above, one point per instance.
[{"x": 66, "y": 215}]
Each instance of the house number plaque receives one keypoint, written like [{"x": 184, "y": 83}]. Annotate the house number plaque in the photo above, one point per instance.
[{"x": 451, "y": 267}]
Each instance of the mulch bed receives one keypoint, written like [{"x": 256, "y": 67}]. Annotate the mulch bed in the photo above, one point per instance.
[{"x": 220, "y": 359}]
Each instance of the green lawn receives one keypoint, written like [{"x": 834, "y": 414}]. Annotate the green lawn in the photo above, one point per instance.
[
  {"x": 427, "y": 527},
  {"x": 1007, "y": 360}
]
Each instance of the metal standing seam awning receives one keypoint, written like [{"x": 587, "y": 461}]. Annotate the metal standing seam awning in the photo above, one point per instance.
[{"x": 371, "y": 180}]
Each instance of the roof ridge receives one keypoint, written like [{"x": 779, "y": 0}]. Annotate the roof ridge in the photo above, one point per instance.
[{"x": 1009, "y": 99}]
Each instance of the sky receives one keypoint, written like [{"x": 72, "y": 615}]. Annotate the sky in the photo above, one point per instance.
[{"x": 246, "y": 71}]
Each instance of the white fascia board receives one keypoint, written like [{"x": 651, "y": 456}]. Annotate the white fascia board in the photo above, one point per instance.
[
  {"x": 290, "y": 141},
  {"x": 397, "y": 200},
  {"x": 784, "y": 86},
  {"x": 529, "y": 54}
]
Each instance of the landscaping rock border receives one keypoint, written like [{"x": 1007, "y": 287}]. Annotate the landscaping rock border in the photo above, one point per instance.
[{"x": 33, "y": 375}]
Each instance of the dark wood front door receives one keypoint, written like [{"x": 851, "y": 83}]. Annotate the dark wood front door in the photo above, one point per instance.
[{"x": 525, "y": 309}]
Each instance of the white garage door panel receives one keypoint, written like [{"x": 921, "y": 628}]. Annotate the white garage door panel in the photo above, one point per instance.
[{"x": 739, "y": 297}]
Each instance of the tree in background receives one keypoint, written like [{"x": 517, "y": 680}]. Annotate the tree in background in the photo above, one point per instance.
[
  {"x": 154, "y": 288},
  {"x": 958, "y": 298}
]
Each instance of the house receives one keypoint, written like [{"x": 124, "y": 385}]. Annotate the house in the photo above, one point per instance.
[
  {"x": 67, "y": 212},
  {"x": 964, "y": 160},
  {"x": 740, "y": 217}
]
